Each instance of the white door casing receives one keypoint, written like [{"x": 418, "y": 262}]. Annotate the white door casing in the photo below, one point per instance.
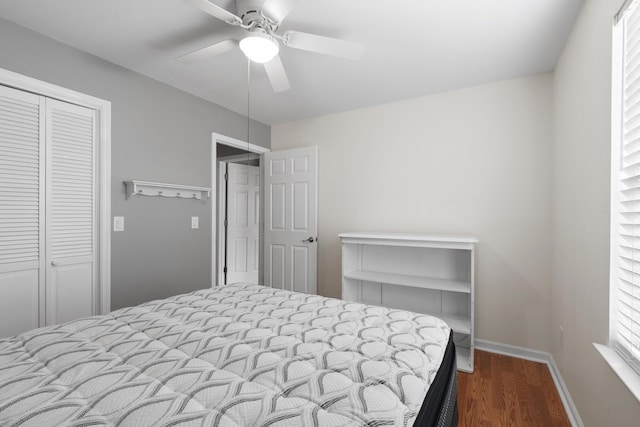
[
  {"x": 243, "y": 223},
  {"x": 290, "y": 223}
]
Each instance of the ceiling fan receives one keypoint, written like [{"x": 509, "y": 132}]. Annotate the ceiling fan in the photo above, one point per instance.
[{"x": 261, "y": 20}]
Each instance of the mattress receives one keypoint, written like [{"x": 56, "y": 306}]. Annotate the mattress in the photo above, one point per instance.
[{"x": 235, "y": 355}]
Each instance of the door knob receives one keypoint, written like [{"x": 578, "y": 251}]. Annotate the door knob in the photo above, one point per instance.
[{"x": 309, "y": 240}]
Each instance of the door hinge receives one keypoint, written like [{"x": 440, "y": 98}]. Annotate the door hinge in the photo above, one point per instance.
[
  {"x": 226, "y": 223},
  {"x": 226, "y": 176},
  {"x": 224, "y": 270}
]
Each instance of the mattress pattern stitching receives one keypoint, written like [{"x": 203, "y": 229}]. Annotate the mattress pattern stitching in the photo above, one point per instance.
[{"x": 275, "y": 356}]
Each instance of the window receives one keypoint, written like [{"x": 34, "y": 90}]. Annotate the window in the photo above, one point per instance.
[{"x": 624, "y": 327}]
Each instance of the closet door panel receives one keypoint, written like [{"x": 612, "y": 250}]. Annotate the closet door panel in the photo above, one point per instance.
[
  {"x": 72, "y": 297},
  {"x": 19, "y": 301},
  {"x": 21, "y": 211},
  {"x": 71, "y": 212}
]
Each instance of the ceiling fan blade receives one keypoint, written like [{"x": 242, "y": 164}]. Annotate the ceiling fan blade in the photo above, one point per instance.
[
  {"x": 277, "y": 75},
  {"x": 216, "y": 11},
  {"x": 325, "y": 45},
  {"x": 277, "y": 10},
  {"x": 207, "y": 51}
]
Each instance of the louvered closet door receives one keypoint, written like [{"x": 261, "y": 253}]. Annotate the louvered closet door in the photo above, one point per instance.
[
  {"x": 21, "y": 211},
  {"x": 71, "y": 212}
]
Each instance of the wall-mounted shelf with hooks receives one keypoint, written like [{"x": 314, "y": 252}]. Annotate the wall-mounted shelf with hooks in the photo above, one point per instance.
[{"x": 145, "y": 188}]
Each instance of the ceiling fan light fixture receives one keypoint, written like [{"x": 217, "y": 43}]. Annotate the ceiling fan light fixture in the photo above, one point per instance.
[{"x": 259, "y": 47}]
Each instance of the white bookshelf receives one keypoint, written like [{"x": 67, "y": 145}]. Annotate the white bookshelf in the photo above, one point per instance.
[{"x": 429, "y": 274}]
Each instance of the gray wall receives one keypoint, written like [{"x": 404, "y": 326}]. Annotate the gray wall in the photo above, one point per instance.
[
  {"x": 158, "y": 134},
  {"x": 581, "y": 202}
]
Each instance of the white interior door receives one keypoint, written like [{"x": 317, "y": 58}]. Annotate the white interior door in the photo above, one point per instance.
[
  {"x": 243, "y": 223},
  {"x": 21, "y": 211},
  {"x": 71, "y": 212},
  {"x": 290, "y": 227}
]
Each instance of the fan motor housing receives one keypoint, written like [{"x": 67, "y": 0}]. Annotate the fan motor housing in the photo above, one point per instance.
[{"x": 249, "y": 11}]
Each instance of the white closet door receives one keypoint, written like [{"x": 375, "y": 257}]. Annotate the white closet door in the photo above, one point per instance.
[
  {"x": 21, "y": 211},
  {"x": 71, "y": 212}
]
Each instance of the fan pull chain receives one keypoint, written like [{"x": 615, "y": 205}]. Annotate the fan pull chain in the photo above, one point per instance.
[{"x": 248, "y": 111}]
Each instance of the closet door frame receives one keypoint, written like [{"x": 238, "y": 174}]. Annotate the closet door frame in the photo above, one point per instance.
[{"x": 103, "y": 169}]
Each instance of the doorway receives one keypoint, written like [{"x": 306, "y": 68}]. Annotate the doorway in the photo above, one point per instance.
[
  {"x": 239, "y": 216},
  {"x": 287, "y": 247},
  {"x": 237, "y": 211}
]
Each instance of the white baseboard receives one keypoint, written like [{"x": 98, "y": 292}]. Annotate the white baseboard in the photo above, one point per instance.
[{"x": 542, "y": 357}]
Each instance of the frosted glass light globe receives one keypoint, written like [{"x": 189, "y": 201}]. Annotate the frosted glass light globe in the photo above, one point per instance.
[{"x": 259, "y": 47}]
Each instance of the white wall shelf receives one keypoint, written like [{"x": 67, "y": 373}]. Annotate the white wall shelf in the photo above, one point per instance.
[
  {"x": 430, "y": 274},
  {"x": 461, "y": 324},
  {"x": 409, "y": 280},
  {"x": 154, "y": 189}
]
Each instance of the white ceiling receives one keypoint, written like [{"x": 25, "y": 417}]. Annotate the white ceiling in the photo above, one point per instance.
[{"x": 414, "y": 47}]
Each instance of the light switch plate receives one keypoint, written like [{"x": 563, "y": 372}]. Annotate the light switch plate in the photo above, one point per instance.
[
  {"x": 118, "y": 223},
  {"x": 194, "y": 222}
]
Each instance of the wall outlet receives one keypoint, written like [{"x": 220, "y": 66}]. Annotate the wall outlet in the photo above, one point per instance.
[
  {"x": 194, "y": 222},
  {"x": 118, "y": 223}
]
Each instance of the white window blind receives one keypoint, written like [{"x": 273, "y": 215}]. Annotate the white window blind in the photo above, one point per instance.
[{"x": 625, "y": 293}]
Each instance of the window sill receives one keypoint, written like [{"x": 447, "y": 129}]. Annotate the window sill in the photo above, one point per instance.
[{"x": 626, "y": 373}]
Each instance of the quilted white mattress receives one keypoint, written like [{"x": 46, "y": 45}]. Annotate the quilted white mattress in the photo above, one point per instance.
[{"x": 236, "y": 355}]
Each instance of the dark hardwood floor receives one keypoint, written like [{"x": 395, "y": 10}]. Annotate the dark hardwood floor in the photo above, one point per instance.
[{"x": 505, "y": 391}]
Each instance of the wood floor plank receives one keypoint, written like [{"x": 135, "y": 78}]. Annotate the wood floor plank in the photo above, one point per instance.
[
  {"x": 498, "y": 395},
  {"x": 528, "y": 411},
  {"x": 540, "y": 405},
  {"x": 553, "y": 401},
  {"x": 511, "y": 392},
  {"x": 504, "y": 397},
  {"x": 511, "y": 412}
]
